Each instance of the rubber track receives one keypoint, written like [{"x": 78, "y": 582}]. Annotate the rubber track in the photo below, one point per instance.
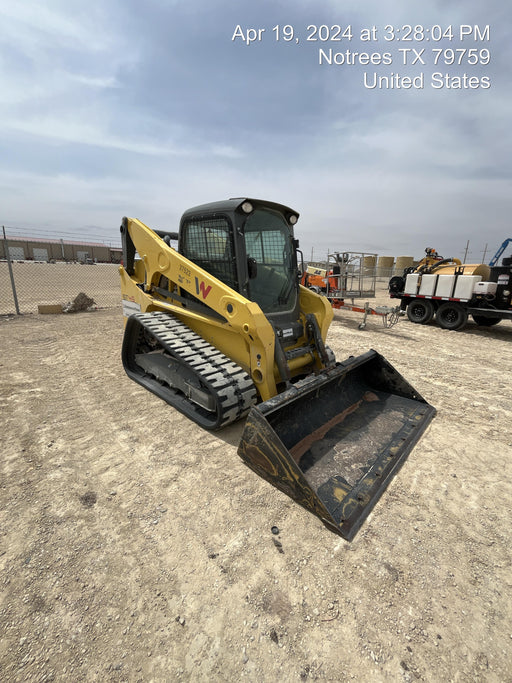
[{"x": 233, "y": 389}]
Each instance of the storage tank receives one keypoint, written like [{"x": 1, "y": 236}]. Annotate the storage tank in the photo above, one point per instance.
[
  {"x": 445, "y": 285},
  {"x": 411, "y": 283},
  {"x": 385, "y": 266},
  {"x": 481, "y": 269},
  {"x": 428, "y": 285},
  {"x": 369, "y": 263},
  {"x": 465, "y": 286},
  {"x": 403, "y": 262}
]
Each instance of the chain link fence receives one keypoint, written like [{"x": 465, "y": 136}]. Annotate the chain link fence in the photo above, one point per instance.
[
  {"x": 25, "y": 285},
  {"x": 44, "y": 271}
]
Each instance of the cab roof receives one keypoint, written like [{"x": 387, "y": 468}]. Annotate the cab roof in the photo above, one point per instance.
[{"x": 234, "y": 204}]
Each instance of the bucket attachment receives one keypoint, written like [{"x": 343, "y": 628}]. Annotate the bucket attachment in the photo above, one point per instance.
[{"x": 333, "y": 441}]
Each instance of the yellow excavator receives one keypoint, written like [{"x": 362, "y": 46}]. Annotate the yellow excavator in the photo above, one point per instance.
[{"x": 221, "y": 329}]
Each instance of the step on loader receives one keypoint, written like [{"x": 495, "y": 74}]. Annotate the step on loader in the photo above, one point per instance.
[{"x": 221, "y": 329}]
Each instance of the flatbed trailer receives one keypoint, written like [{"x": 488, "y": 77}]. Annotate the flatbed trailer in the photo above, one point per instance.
[
  {"x": 389, "y": 314},
  {"x": 345, "y": 275}
]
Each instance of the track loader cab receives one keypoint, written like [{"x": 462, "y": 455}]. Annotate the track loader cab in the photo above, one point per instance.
[{"x": 250, "y": 246}]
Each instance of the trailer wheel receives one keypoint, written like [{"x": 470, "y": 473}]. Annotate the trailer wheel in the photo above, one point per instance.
[
  {"x": 420, "y": 311},
  {"x": 451, "y": 316},
  {"x": 484, "y": 321}
]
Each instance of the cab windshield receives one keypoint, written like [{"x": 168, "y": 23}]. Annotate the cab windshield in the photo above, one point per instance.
[{"x": 268, "y": 241}]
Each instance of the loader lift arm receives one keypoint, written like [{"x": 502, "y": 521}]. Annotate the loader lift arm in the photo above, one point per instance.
[{"x": 242, "y": 317}]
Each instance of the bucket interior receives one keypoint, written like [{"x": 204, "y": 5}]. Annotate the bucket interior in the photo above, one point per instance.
[{"x": 344, "y": 438}]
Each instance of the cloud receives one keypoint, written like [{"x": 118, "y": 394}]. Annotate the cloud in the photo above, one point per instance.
[
  {"x": 34, "y": 25},
  {"x": 95, "y": 81},
  {"x": 121, "y": 108},
  {"x": 87, "y": 132}
]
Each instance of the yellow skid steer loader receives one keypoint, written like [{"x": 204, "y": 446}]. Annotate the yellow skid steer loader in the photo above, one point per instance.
[{"x": 221, "y": 329}]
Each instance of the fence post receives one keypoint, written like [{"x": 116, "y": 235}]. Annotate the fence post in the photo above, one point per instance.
[{"x": 11, "y": 275}]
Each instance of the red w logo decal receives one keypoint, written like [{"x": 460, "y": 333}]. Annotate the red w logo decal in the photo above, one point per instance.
[{"x": 201, "y": 287}]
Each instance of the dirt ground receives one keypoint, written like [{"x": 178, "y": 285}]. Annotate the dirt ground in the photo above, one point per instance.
[{"x": 136, "y": 547}]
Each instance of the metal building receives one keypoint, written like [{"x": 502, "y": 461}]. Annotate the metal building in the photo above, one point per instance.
[{"x": 41, "y": 249}]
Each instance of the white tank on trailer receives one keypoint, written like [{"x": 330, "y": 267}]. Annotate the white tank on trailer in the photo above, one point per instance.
[
  {"x": 445, "y": 285},
  {"x": 486, "y": 288},
  {"x": 411, "y": 283},
  {"x": 465, "y": 286},
  {"x": 428, "y": 285}
]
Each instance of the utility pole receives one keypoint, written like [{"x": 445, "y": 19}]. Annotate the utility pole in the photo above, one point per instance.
[{"x": 466, "y": 252}]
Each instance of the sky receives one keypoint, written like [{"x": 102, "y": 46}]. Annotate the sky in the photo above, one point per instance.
[{"x": 144, "y": 109}]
